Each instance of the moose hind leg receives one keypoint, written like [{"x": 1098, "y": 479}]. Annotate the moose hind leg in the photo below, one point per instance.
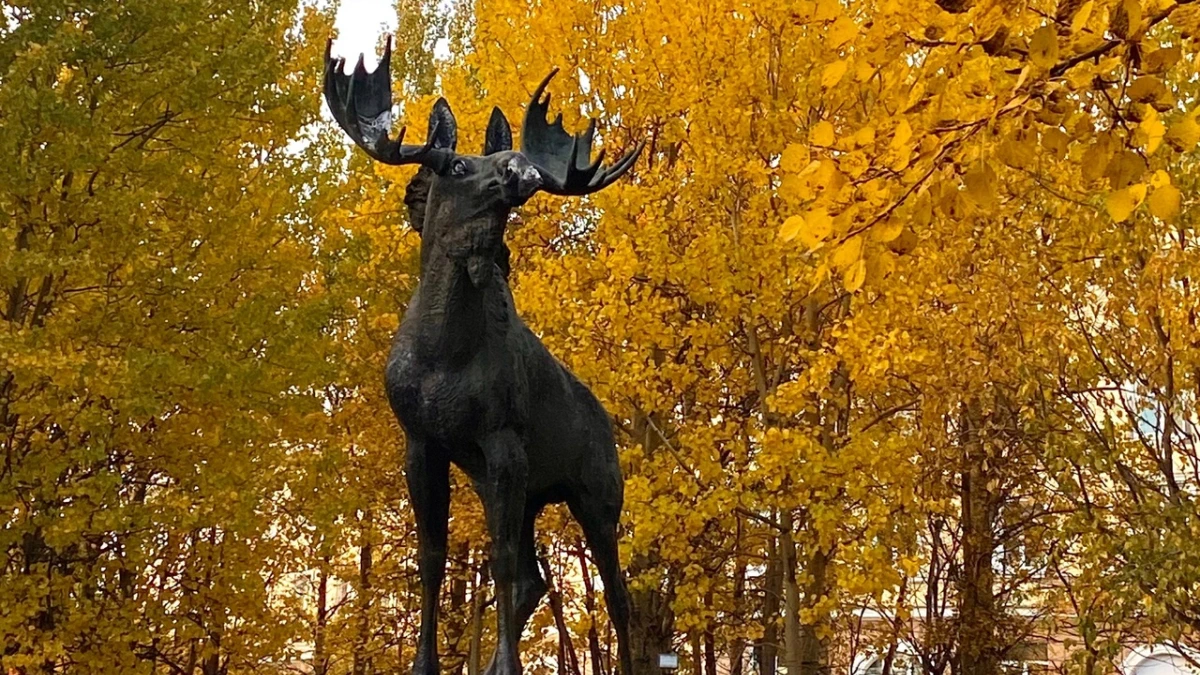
[
  {"x": 600, "y": 528},
  {"x": 428, "y": 476}
]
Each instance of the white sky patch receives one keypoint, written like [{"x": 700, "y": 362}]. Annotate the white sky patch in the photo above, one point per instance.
[{"x": 359, "y": 25}]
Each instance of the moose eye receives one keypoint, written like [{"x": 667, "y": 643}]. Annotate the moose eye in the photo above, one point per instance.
[{"x": 458, "y": 168}]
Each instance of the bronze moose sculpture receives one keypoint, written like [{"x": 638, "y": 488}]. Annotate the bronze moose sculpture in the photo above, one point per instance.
[{"x": 469, "y": 382}]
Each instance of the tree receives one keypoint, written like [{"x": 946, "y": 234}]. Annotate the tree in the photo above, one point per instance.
[{"x": 162, "y": 346}]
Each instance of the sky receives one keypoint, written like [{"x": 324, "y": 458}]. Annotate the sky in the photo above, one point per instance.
[{"x": 359, "y": 24}]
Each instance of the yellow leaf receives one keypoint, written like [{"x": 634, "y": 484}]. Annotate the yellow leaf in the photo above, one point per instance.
[
  {"x": 848, "y": 253},
  {"x": 1185, "y": 133},
  {"x": 1081, "y": 17},
  {"x": 794, "y": 158},
  {"x": 1164, "y": 202},
  {"x": 1145, "y": 89},
  {"x": 1126, "y": 18},
  {"x": 915, "y": 95},
  {"x": 864, "y": 136},
  {"x": 795, "y": 189},
  {"x": 854, "y": 276},
  {"x": 880, "y": 264},
  {"x": 905, "y": 243},
  {"x": 922, "y": 213},
  {"x": 1125, "y": 168},
  {"x": 817, "y": 226},
  {"x": 980, "y": 183},
  {"x": 791, "y": 227},
  {"x": 1121, "y": 203},
  {"x": 887, "y": 230},
  {"x": 842, "y": 31},
  {"x": 826, "y": 10},
  {"x": 1138, "y": 192},
  {"x": 1159, "y": 179},
  {"x": 833, "y": 73},
  {"x": 1161, "y": 60},
  {"x": 863, "y": 70},
  {"x": 1152, "y": 129},
  {"x": 64, "y": 75},
  {"x": 903, "y": 133},
  {"x": 1055, "y": 141},
  {"x": 854, "y": 164},
  {"x": 1043, "y": 47},
  {"x": 821, "y": 133}
]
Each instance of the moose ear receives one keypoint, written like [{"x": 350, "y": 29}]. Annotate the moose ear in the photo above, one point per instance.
[
  {"x": 443, "y": 130},
  {"x": 499, "y": 134}
]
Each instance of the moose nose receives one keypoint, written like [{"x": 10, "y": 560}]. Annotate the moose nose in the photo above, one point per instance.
[{"x": 522, "y": 177}]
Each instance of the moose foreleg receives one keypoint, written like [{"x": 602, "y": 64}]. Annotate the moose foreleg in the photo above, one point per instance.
[
  {"x": 428, "y": 480},
  {"x": 504, "y": 501},
  {"x": 530, "y": 587}
]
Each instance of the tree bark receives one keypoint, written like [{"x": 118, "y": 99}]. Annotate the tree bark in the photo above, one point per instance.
[
  {"x": 768, "y": 647},
  {"x": 737, "y": 648},
  {"x": 977, "y": 602},
  {"x": 814, "y": 658},
  {"x": 710, "y": 641},
  {"x": 455, "y": 620},
  {"x": 697, "y": 656},
  {"x": 791, "y": 598},
  {"x": 568, "y": 662},
  {"x": 651, "y": 620},
  {"x": 361, "y": 664},
  {"x": 589, "y": 603},
  {"x": 477, "y": 606},
  {"x": 320, "y": 657},
  {"x": 650, "y": 624}
]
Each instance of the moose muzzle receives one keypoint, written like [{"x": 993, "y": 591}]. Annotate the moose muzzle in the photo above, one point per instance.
[{"x": 521, "y": 179}]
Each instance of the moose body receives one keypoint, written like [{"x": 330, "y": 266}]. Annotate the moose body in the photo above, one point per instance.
[
  {"x": 452, "y": 389},
  {"x": 469, "y": 382}
]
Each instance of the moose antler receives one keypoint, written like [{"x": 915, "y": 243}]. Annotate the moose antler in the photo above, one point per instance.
[
  {"x": 561, "y": 158},
  {"x": 362, "y": 105}
]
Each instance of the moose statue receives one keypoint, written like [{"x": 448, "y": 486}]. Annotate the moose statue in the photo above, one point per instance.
[{"x": 469, "y": 382}]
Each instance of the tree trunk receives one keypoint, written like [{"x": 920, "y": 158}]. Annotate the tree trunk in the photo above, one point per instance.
[
  {"x": 650, "y": 627},
  {"x": 977, "y": 602},
  {"x": 455, "y": 621},
  {"x": 768, "y": 647},
  {"x": 477, "y": 607},
  {"x": 651, "y": 620},
  {"x": 362, "y": 662},
  {"x": 791, "y": 598},
  {"x": 697, "y": 656},
  {"x": 813, "y": 652},
  {"x": 211, "y": 665},
  {"x": 320, "y": 657},
  {"x": 589, "y": 602},
  {"x": 568, "y": 662},
  {"x": 737, "y": 648},
  {"x": 710, "y": 641}
]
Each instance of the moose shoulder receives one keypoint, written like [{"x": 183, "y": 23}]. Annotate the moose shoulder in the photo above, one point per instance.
[{"x": 469, "y": 382}]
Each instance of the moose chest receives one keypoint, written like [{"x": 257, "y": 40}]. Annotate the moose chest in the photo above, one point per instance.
[{"x": 453, "y": 401}]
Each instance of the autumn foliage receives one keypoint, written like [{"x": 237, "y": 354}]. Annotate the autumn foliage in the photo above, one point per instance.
[{"x": 895, "y": 318}]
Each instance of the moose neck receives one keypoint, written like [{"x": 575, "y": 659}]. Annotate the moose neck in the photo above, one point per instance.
[{"x": 456, "y": 314}]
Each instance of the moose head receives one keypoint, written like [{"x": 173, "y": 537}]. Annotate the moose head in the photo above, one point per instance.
[{"x": 458, "y": 202}]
